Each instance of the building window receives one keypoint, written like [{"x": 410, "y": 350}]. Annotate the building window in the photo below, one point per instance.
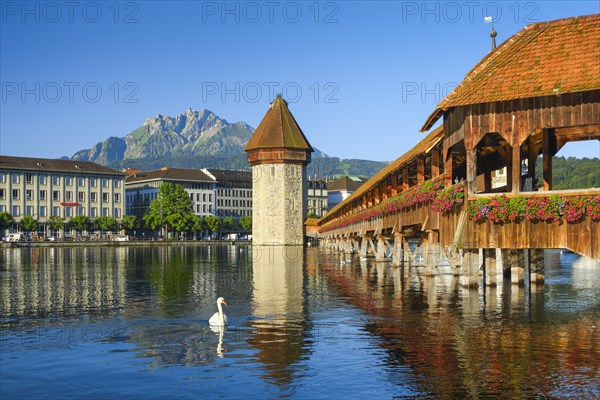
[
  {"x": 68, "y": 181},
  {"x": 55, "y": 180},
  {"x": 2, "y": 177},
  {"x": 56, "y": 195},
  {"x": 16, "y": 211},
  {"x": 56, "y": 211},
  {"x": 42, "y": 195},
  {"x": 42, "y": 179},
  {"x": 104, "y": 182},
  {"x": 105, "y": 197},
  {"x": 67, "y": 212},
  {"x": 105, "y": 211},
  {"x": 81, "y": 181},
  {"x": 93, "y": 212},
  {"x": 81, "y": 197},
  {"x": 117, "y": 183},
  {"x": 93, "y": 182},
  {"x": 68, "y": 196},
  {"x": 29, "y": 178},
  {"x": 2, "y": 194},
  {"x": 117, "y": 197},
  {"x": 29, "y": 210},
  {"x": 29, "y": 194},
  {"x": 15, "y": 194},
  {"x": 16, "y": 178},
  {"x": 80, "y": 211},
  {"x": 117, "y": 213},
  {"x": 42, "y": 211},
  {"x": 93, "y": 197}
]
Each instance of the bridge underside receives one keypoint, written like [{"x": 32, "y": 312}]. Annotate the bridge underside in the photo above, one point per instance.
[{"x": 422, "y": 236}]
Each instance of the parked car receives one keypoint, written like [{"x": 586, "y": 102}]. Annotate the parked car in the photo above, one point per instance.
[{"x": 121, "y": 238}]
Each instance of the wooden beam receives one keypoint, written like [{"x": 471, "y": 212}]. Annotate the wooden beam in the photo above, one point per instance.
[
  {"x": 548, "y": 144},
  {"x": 487, "y": 181},
  {"x": 472, "y": 171},
  {"x": 435, "y": 163},
  {"x": 405, "y": 184},
  {"x": 420, "y": 170},
  {"x": 448, "y": 171},
  {"x": 516, "y": 170}
]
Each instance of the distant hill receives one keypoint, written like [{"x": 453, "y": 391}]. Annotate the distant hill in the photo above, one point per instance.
[{"x": 200, "y": 139}]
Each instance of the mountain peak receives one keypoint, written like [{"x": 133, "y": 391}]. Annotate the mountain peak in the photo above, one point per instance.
[{"x": 187, "y": 134}]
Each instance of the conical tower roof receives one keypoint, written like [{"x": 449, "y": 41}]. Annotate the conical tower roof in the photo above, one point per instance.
[{"x": 278, "y": 130}]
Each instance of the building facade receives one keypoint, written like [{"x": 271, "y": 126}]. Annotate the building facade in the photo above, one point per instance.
[
  {"x": 317, "y": 198},
  {"x": 233, "y": 193},
  {"x": 142, "y": 188},
  {"x": 217, "y": 192},
  {"x": 44, "y": 188},
  {"x": 342, "y": 187}
]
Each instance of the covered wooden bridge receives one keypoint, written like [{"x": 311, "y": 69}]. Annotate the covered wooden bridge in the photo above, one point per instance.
[{"x": 470, "y": 184}]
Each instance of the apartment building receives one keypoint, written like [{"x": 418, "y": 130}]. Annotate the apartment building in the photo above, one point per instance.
[
  {"x": 317, "y": 198},
  {"x": 233, "y": 192},
  {"x": 63, "y": 188},
  {"x": 142, "y": 187}
]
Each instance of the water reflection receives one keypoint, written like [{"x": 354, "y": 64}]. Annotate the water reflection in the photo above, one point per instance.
[
  {"x": 494, "y": 342},
  {"x": 280, "y": 327},
  {"x": 302, "y": 325}
]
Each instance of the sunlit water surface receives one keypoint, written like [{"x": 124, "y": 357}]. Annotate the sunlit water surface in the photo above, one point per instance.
[{"x": 133, "y": 323}]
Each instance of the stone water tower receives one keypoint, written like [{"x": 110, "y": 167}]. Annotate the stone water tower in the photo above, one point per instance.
[{"x": 279, "y": 153}]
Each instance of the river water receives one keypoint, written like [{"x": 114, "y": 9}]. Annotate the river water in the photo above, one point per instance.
[{"x": 132, "y": 322}]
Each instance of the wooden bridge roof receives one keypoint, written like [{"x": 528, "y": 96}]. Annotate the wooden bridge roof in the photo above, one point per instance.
[
  {"x": 423, "y": 147},
  {"x": 543, "y": 59}
]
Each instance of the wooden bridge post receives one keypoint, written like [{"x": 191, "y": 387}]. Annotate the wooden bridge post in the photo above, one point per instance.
[
  {"x": 513, "y": 259},
  {"x": 431, "y": 253},
  {"x": 397, "y": 250},
  {"x": 489, "y": 259},
  {"x": 380, "y": 253},
  {"x": 470, "y": 268},
  {"x": 536, "y": 266},
  {"x": 363, "y": 247}
]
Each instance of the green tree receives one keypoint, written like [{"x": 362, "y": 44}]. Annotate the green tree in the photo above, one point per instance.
[
  {"x": 130, "y": 222},
  {"x": 107, "y": 224},
  {"x": 246, "y": 223},
  {"x": 80, "y": 223},
  {"x": 6, "y": 220},
  {"x": 213, "y": 223},
  {"x": 56, "y": 222},
  {"x": 171, "y": 210},
  {"x": 28, "y": 224},
  {"x": 228, "y": 223}
]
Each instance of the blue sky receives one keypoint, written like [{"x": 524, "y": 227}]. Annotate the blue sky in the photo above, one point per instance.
[{"x": 361, "y": 77}]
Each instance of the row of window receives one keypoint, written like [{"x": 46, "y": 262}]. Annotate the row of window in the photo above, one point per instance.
[
  {"x": 234, "y": 193},
  {"x": 234, "y": 213},
  {"x": 16, "y": 195},
  {"x": 204, "y": 209},
  {"x": 55, "y": 179},
  {"x": 66, "y": 212},
  {"x": 234, "y": 203},
  {"x": 206, "y": 197}
]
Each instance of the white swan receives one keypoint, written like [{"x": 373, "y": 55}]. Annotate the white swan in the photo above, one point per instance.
[{"x": 219, "y": 318}]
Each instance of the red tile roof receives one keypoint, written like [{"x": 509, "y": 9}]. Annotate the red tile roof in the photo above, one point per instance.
[
  {"x": 278, "y": 129},
  {"x": 58, "y": 165},
  {"x": 545, "y": 58}
]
